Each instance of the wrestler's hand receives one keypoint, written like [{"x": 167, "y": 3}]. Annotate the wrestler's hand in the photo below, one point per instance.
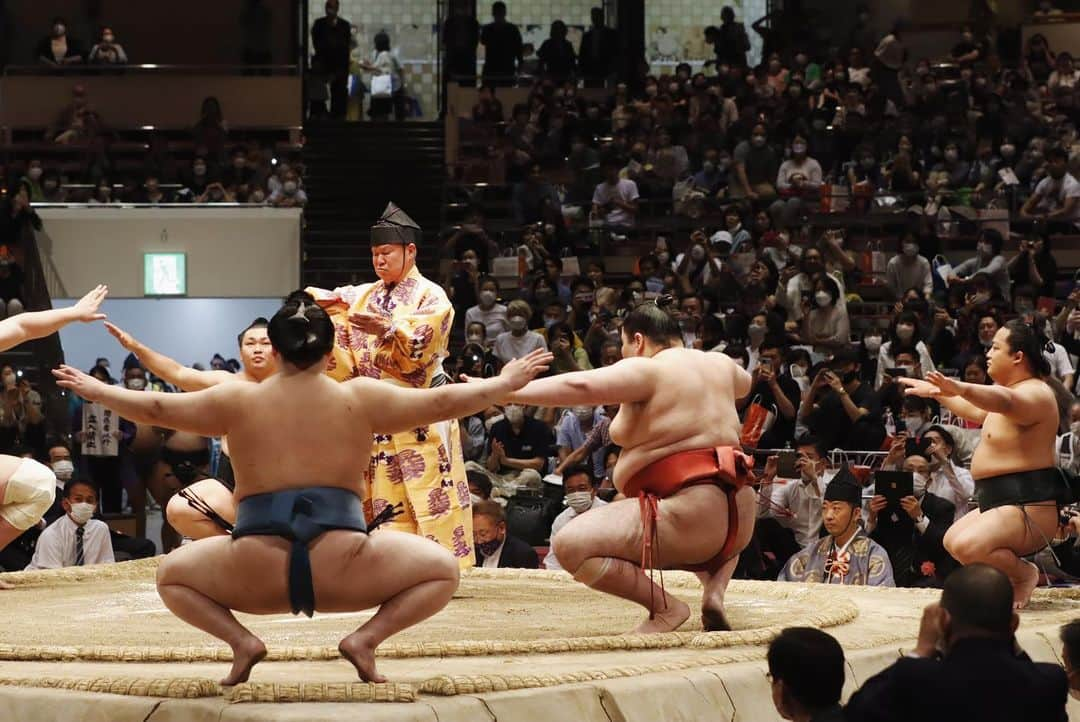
[
  {"x": 124, "y": 338},
  {"x": 82, "y": 385},
  {"x": 86, "y": 310},
  {"x": 521, "y": 371},
  {"x": 918, "y": 387},
  {"x": 946, "y": 386}
]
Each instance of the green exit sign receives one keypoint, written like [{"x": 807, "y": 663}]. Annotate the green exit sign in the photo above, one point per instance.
[{"x": 164, "y": 274}]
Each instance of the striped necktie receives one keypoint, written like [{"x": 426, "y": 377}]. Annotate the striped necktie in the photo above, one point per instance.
[{"x": 80, "y": 557}]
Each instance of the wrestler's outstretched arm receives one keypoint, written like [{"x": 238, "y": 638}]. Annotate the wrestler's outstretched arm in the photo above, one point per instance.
[
  {"x": 183, "y": 377},
  {"x": 37, "y": 324},
  {"x": 1024, "y": 405},
  {"x": 628, "y": 381},
  {"x": 390, "y": 409},
  {"x": 206, "y": 412}
]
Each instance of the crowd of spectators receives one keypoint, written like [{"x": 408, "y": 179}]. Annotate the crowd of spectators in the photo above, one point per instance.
[
  {"x": 763, "y": 169},
  {"x": 80, "y": 159}
]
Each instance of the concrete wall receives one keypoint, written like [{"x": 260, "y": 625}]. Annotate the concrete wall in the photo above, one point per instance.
[{"x": 231, "y": 252}]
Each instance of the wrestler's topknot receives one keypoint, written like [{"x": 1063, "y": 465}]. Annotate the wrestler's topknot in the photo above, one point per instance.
[{"x": 301, "y": 331}]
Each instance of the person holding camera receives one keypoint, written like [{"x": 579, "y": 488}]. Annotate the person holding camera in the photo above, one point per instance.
[{"x": 840, "y": 409}]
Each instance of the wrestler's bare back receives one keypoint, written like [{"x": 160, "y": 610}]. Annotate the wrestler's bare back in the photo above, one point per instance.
[
  {"x": 295, "y": 430},
  {"x": 1008, "y": 446},
  {"x": 689, "y": 403}
]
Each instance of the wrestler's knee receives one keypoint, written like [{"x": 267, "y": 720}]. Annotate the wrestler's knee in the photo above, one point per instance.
[
  {"x": 964, "y": 546},
  {"x": 179, "y": 513},
  {"x": 570, "y": 548},
  {"x": 590, "y": 571}
]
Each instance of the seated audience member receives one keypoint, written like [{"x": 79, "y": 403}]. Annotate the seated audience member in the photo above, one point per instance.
[
  {"x": 966, "y": 664},
  {"x": 107, "y": 51},
  {"x": 495, "y": 548},
  {"x": 913, "y": 534},
  {"x": 519, "y": 340},
  {"x": 75, "y": 539},
  {"x": 572, "y": 433},
  {"x": 840, "y": 409},
  {"x": 789, "y": 511},
  {"x": 806, "y": 670},
  {"x": 518, "y": 450},
  {"x": 479, "y": 487},
  {"x": 776, "y": 391},
  {"x": 570, "y": 354},
  {"x": 847, "y": 555},
  {"x": 615, "y": 200},
  {"x": 290, "y": 194},
  {"x": 579, "y": 488},
  {"x": 488, "y": 310},
  {"x": 948, "y": 480}
]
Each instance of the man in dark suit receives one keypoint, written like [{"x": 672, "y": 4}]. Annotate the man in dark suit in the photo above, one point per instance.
[
  {"x": 966, "y": 665},
  {"x": 496, "y": 548},
  {"x": 599, "y": 51},
  {"x": 914, "y": 535}
]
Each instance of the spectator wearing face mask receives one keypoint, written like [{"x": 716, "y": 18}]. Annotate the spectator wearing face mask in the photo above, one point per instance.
[
  {"x": 518, "y": 450},
  {"x": 76, "y": 539},
  {"x": 488, "y": 311},
  {"x": 756, "y": 167},
  {"x": 841, "y": 410},
  {"x": 52, "y": 189},
  {"x": 909, "y": 269},
  {"x": 615, "y": 200},
  {"x": 903, "y": 333},
  {"x": 988, "y": 261},
  {"x": 579, "y": 488},
  {"x": 519, "y": 340},
  {"x": 948, "y": 479},
  {"x": 290, "y": 195},
  {"x": 58, "y": 48},
  {"x": 572, "y": 433},
  {"x": 712, "y": 179},
  {"x": 215, "y": 193},
  {"x": 795, "y": 281},
  {"x": 495, "y": 547},
  {"x": 774, "y": 390},
  {"x": 915, "y": 548},
  {"x": 107, "y": 472},
  {"x": 825, "y": 320},
  {"x": 107, "y": 51},
  {"x": 798, "y": 180}
]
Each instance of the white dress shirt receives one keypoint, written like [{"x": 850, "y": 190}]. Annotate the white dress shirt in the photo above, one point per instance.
[
  {"x": 56, "y": 545},
  {"x": 803, "y": 500},
  {"x": 939, "y": 486},
  {"x": 550, "y": 562}
]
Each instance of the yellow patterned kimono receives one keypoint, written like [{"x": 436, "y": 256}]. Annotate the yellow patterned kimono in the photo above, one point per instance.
[{"x": 422, "y": 469}]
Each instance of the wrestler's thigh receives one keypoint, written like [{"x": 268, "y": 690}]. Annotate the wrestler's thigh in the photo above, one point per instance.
[
  {"x": 613, "y": 530},
  {"x": 353, "y": 571},
  {"x": 693, "y": 525},
  {"x": 218, "y": 496},
  {"x": 1008, "y": 527},
  {"x": 247, "y": 574}
]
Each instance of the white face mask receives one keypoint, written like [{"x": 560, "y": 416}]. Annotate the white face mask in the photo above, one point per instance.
[
  {"x": 872, "y": 343},
  {"x": 796, "y": 371},
  {"x": 911, "y": 250},
  {"x": 63, "y": 469},
  {"x": 579, "y": 501},
  {"x": 919, "y": 482},
  {"x": 136, "y": 384},
  {"x": 82, "y": 513},
  {"x": 289, "y": 187},
  {"x": 514, "y": 414},
  {"x": 584, "y": 414},
  {"x": 34, "y": 173},
  {"x": 474, "y": 498},
  {"x": 756, "y": 331},
  {"x": 487, "y": 299},
  {"x": 913, "y": 423},
  {"x": 822, "y": 298}
]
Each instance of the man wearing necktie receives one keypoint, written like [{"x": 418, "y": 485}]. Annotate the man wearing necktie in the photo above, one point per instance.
[{"x": 75, "y": 539}]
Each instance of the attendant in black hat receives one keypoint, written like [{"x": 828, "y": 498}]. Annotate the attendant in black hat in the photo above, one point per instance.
[
  {"x": 847, "y": 555},
  {"x": 397, "y": 330}
]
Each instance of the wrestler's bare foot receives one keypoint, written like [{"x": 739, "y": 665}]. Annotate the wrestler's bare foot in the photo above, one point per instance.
[
  {"x": 665, "y": 620},
  {"x": 245, "y": 656},
  {"x": 358, "y": 649},
  {"x": 713, "y": 619},
  {"x": 1022, "y": 590}
]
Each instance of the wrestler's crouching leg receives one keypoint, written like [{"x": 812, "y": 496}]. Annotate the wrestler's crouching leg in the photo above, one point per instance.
[
  {"x": 998, "y": 537},
  {"x": 193, "y": 523},
  {"x": 715, "y": 585},
  {"x": 408, "y": 577},
  {"x": 579, "y": 550},
  {"x": 183, "y": 578}
]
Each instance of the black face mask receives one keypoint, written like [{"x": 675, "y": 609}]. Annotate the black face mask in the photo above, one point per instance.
[{"x": 849, "y": 377}]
